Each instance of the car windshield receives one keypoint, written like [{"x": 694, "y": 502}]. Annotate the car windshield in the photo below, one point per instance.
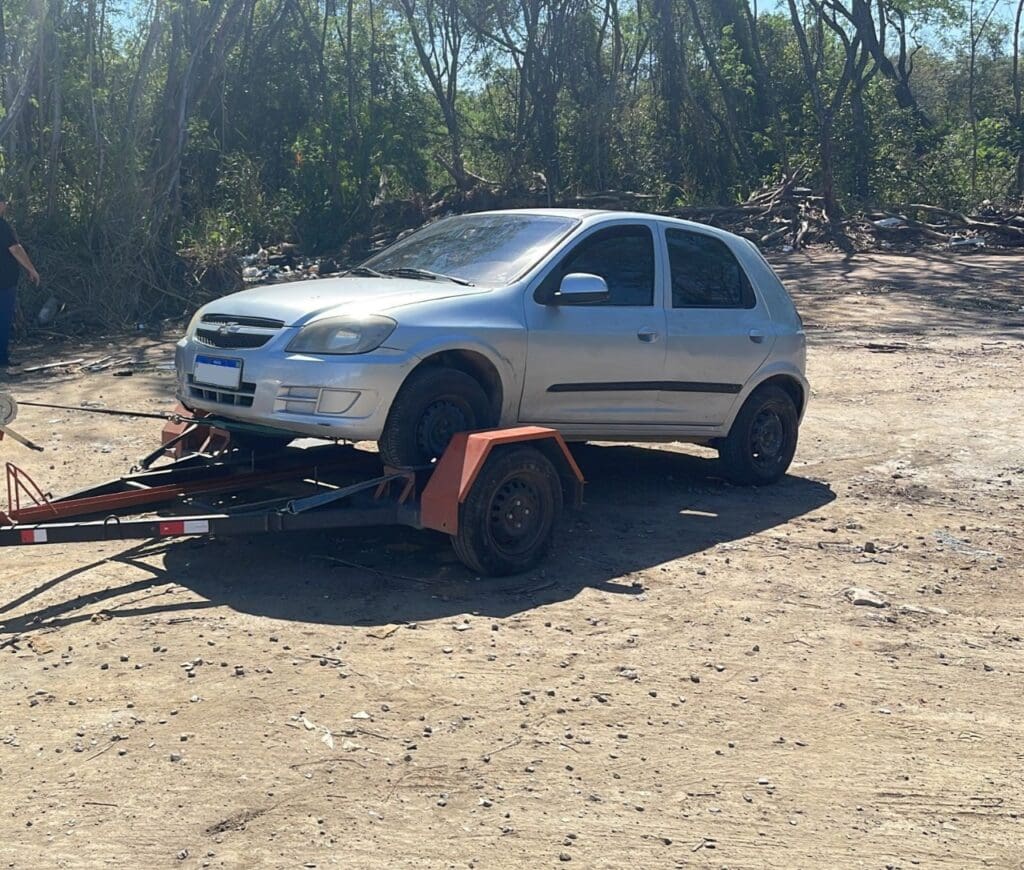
[{"x": 482, "y": 249}]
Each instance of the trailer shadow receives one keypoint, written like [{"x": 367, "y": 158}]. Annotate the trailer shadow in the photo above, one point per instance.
[{"x": 643, "y": 508}]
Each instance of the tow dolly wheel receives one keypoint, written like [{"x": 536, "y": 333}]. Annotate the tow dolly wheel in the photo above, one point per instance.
[{"x": 509, "y": 516}]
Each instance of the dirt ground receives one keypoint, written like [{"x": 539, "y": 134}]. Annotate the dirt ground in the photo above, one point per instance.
[{"x": 683, "y": 684}]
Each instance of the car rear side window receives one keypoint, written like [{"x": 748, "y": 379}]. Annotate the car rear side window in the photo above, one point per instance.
[
  {"x": 623, "y": 256},
  {"x": 705, "y": 273}
]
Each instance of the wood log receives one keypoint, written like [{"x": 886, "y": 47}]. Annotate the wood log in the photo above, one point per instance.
[
  {"x": 775, "y": 235},
  {"x": 1004, "y": 229}
]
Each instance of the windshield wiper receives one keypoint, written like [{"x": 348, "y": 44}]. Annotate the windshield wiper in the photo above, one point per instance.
[
  {"x": 365, "y": 271},
  {"x": 409, "y": 272}
]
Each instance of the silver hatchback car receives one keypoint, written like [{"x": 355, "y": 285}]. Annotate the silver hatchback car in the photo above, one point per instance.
[{"x": 610, "y": 326}]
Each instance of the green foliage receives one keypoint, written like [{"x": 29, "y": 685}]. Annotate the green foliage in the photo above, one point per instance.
[
  {"x": 244, "y": 213},
  {"x": 132, "y": 132}
]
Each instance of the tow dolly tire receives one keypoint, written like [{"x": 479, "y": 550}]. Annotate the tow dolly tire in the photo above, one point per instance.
[{"x": 508, "y": 520}]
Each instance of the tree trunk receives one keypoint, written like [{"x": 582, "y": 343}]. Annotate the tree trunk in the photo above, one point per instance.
[
  {"x": 971, "y": 117},
  {"x": 767, "y": 90},
  {"x": 736, "y": 138},
  {"x": 828, "y": 184},
  {"x": 824, "y": 116},
  {"x": 18, "y": 103},
  {"x": 3, "y": 57},
  {"x": 861, "y": 16},
  {"x": 861, "y": 145},
  {"x": 671, "y": 90},
  {"x": 442, "y": 73},
  {"x": 56, "y": 117},
  {"x": 1019, "y": 125},
  {"x": 156, "y": 28}
]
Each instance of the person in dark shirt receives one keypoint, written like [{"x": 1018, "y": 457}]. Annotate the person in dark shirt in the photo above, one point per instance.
[{"x": 12, "y": 257}]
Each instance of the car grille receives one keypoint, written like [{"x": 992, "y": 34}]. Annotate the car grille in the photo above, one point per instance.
[
  {"x": 233, "y": 331},
  {"x": 230, "y": 339},
  {"x": 240, "y": 398}
]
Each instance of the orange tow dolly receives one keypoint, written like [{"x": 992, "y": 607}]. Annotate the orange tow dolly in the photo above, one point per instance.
[{"x": 498, "y": 493}]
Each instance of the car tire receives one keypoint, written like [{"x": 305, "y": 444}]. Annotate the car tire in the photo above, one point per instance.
[
  {"x": 432, "y": 405},
  {"x": 509, "y": 516},
  {"x": 762, "y": 441}
]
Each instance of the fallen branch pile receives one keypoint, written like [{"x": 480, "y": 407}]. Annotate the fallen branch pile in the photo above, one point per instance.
[
  {"x": 789, "y": 216},
  {"x": 921, "y": 221},
  {"x": 784, "y": 216}
]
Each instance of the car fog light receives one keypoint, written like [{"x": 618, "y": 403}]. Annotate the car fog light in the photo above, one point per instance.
[{"x": 336, "y": 401}]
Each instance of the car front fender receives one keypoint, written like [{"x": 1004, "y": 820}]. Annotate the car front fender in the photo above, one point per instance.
[{"x": 505, "y": 350}]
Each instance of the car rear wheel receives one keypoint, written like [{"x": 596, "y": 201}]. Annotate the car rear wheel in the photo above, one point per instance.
[
  {"x": 760, "y": 446},
  {"x": 432, "y": 405}
]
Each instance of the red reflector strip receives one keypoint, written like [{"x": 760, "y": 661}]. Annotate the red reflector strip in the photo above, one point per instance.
[
  {"x": 184, "y": 527},
  {"x": 33, "y": 536}
]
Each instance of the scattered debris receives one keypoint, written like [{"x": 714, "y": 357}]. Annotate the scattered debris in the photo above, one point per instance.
[
  {"x": 53, "y": 365},
  {"x": 864, "y": 597}
]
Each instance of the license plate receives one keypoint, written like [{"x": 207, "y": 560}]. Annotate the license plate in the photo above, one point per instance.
[{"x": 218, "y": 372}]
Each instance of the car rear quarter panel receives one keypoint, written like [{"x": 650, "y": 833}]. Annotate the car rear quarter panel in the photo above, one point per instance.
[{"x": 763, "y": 277}]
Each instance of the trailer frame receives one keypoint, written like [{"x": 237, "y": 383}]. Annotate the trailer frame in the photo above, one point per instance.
[{"x": 213, "y": 489}]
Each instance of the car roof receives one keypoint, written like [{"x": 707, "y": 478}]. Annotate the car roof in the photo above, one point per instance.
[
  {"x": 598, "y": 215},
  {"x": 540, "y": 212}
]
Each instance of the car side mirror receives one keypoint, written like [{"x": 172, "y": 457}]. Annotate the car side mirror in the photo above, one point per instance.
[{"x": 580, "y": 288}]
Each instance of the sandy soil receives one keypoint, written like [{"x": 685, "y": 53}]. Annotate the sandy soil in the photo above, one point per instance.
[{"x": 683, "y": 684}]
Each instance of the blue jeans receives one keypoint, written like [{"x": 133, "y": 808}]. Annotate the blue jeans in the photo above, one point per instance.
[{"x": 7, "y": 297}]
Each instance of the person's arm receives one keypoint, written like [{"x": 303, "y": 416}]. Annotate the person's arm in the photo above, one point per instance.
[{"x": 21, "y": 255}]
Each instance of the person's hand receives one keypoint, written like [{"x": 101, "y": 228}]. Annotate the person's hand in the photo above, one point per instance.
[{"x": 33, "y": 276}]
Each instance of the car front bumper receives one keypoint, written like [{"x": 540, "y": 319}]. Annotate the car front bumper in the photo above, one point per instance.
[{"x": 320, "y": 395}]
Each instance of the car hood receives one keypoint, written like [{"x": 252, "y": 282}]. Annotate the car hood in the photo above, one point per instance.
[{"x": 298, "y": 302}]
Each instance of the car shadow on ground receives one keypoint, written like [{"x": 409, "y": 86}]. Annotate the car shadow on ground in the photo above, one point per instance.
[{"x": 643, "y": 507}]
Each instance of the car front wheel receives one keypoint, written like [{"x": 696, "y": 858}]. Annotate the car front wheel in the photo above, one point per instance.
[
  {"x": 432, "y": 405},
  {"x": 760, "y": 446}
]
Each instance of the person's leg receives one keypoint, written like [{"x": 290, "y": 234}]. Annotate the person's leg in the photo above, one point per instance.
[{"x": 7, "y": 295}]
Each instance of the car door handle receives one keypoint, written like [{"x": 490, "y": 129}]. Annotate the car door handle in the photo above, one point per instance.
[
  {"x": 756, "y": 336},
  {"x": 647, "y": 335}
]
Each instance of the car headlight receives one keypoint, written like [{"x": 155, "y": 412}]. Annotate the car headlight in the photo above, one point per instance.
[
  {"x": 193, "y": 323},
  {"x": 343, "y": 335}
]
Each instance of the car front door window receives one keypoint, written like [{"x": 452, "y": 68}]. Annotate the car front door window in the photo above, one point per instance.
[{"x": 623, "y": 256}]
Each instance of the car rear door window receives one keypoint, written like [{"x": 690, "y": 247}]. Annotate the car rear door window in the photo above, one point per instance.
[
  {"x": 623, "y": 256},
  {"x": 705, "y": 273}
]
